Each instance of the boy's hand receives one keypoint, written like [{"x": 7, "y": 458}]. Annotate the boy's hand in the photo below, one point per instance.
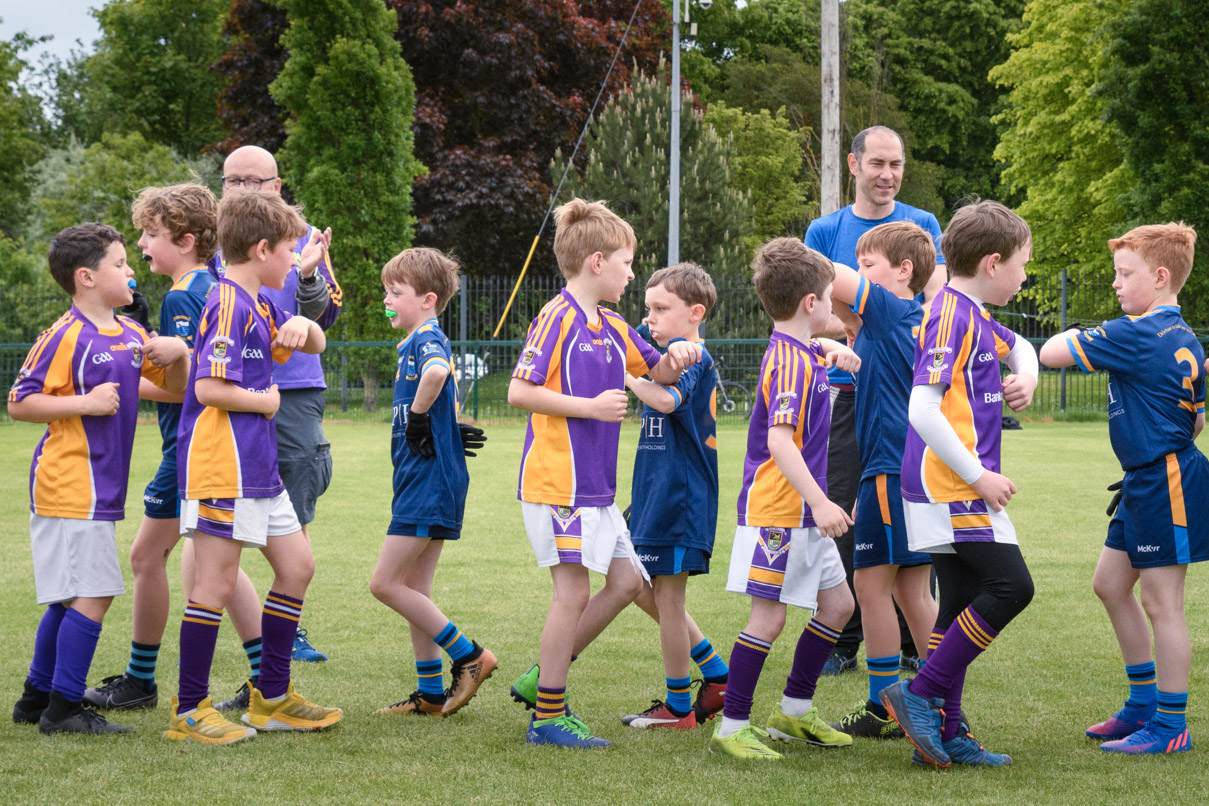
[
  {"x": 842, "y": 358},
  {"x": 293, "y": 334},
  {"x": 273, "y": 398},
  {"x": 609, "y": 406},
  {"x": 312, "y": 254},
  {"x": 684, "y": 354},
  {"x": 831, "y": 519},
  {"x": 1018, "y": 391},
  {"x": 473, "y": 438},
  {"x": 102, "y": 401},
  {"x": 419, "y": 435},
  {"x": 995, "y": 489},
  {"x": 165, "y": 350}
]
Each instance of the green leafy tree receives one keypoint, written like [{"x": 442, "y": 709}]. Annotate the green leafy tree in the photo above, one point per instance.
[
  {"x": 1060, "y": 153},
  {"x": 348, "y": 150},
  {"x": 627, "y": 166},
  {"x": 21, "y": 122}
]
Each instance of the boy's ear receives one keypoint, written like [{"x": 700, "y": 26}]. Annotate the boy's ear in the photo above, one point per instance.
[
  {"x": 83, "y": 276},
  {"x": 990, "y": 262},
  {"x": 595, "y": 260},
  {"x": 1162, "y": 277},
  {"x": 187, "y": 242},
  {"x": 429, "y": 300},
  {"x": 696, "y": 313},
  {"x": 806, "y": 306},
  {"x": 906, "y": 269},
  {"x": 261, "y": 250}
]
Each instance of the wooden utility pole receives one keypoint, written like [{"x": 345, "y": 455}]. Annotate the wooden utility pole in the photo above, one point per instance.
[{"x": 829, "y": 170}]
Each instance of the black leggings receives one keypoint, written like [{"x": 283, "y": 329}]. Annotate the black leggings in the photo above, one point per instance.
[{"x": 990, "y": 576}]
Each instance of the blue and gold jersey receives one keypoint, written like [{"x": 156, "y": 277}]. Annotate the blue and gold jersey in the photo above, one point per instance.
[
  {"x": 886, "y": 346},
  {"x": 1155, "y": 384},
  {"x": 179, "y": 315},
  {"x": 430, "y": 492},
  {"x": 674, "y": 498}
]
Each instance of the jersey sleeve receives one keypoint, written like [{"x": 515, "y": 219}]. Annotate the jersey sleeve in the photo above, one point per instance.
[
  {"x": 1005, "y": 339},
  {"x": 879, "y": 310},
  {"x": 276, "y": 317},
  {"x": 432, "y": 350},
  {"x": 789, "y": 381},
  {"x": 147, "y": 370},
  {"x": 939, "y": 342},
  {"x": 179, "y": 315},
  {"x": 48, "y": 366},
  {"x": 1112, "y": 347},
  {"x": 686, "y": 387},
  {"x": 219, "y": 350},
  {"x": 932, "y": 227},
  {"x": 640, "y": 356},
  {"x": 335, "y": 296},
  {"x": 539, "y": 355},
  {"x": 819, "y": 235}
]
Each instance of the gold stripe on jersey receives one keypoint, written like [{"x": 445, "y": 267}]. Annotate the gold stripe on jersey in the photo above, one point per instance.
[
  {"x": 64, "y": 467},
  {"x": 214, "y": 457},
  {"x": 771, "y": 499},
  {"x": 939, "y": 479},
  {"x": 556, "y": 311}
]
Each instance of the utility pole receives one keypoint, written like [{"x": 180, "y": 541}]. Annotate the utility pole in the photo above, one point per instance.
[
  {"x": 673, "y": 205},
  {"x": 829, "y": 169}
]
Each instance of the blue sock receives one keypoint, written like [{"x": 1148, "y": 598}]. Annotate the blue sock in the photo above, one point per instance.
[
  {"x": 428, "y": 672},
  {"x": 143, "y": 658},
  {"x": 1172, "y": 711},
  {"x": 452, "y": 641},
  {"x": 883, "y": 673},
  {"x": 678, "y": 698},
  {"x": 78, "y": 636},
  {"x": 252, "y": 650},
  {"x": 708, "y": 661},
  {"x": 42, "y": 667},
  {"x": 1143, "y": 690}
]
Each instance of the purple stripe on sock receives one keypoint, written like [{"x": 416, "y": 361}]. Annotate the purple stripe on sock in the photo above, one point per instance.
[
  {"x": 277, "y": 631},
  {"x": 967, "y": 637},
  {"x": 77, "y": 642},
  {"x": 199, "y": 634},
  {"x": 812, "y": 651},
  {"x": 42, "y": 667},
  {"x": 746, "y": 663}
]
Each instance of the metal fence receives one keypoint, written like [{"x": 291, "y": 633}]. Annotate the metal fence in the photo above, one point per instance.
[{"x": 359, "y": 374}]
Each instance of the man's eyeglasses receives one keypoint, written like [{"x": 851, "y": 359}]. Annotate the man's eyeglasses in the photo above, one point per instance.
[{"x": 251, "y": 182}]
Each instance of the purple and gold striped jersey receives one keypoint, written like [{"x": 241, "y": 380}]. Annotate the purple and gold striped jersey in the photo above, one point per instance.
[
  {"x": 570, "y": 461},
  {"x": 1155, "y": 382},
  {"x": 81, "y": 465},
  {"x": 231, "y": 454},
  {"x": 793, "y": 391},
  {"x": 959, "y": 346}
]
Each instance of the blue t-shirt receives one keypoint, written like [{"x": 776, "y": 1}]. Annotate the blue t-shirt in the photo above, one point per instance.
[
  {"x": 886, "y": 346},
  {"x": 836, "y": 235},
  {"x": 674, "y": 498},
  {"x": 1155, "y": 385},
  {"x": 430, "y": 492},
  {"x": 179, "y": 315}
]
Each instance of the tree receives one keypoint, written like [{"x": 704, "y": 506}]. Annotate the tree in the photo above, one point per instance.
[
  {"x": 1060, "y": 153},
  {"x": 500, "y": 86},
  {"x": 348, "y": 153},
  {"x": 1155, "y": 89},
  {"x": 248, "y": 112},
  {"x": 21, "y": 145},
  {"x": 627, "y": 166}
]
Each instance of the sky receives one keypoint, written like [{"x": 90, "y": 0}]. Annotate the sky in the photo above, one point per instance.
[{"x": 66, "y": 20}]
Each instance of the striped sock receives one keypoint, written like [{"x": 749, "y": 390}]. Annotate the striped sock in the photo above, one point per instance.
[
  {"x": 678, "y": 699},
  {"x": 454, "y": 643},
  {"x": 551, "y": 703},
  {"x": 967, "y": 638},
  {"x": 46, "y": 642},
  {"x": 1143, "y": 691},
  {"x": 278, "y": 626},
  {"x": 428, "y": 672},
  {"x": 77, "y": 643},
  {"x": 253, "y": 649},
  {"x": 143, "y": 658},
  {"x": 746, "y": 663},
  {"x": 813, "y": 649},
  {"x": 199, "y": 634},
  {"x": 712, "y": 667},
  {"x": 1172, "y": 710},
  {"x": 883, "y": 673}
]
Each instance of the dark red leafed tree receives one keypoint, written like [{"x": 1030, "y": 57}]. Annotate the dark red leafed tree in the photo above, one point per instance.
[{"x": 247, "y": 111}]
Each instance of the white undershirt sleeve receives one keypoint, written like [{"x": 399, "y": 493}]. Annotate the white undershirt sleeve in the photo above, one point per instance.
[
  {"x": 931, "y": 425},
  {"x": 1022, "y": 359}
]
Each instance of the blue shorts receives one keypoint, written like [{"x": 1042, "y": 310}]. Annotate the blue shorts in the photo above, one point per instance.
[
  {"x": 161, "y": 499},
  {"x": 666, "y": 561},
  {"x": 880, "y": 532},
  {"x": 1163, "y": 518},
  {"x": 431, "y": 531}
]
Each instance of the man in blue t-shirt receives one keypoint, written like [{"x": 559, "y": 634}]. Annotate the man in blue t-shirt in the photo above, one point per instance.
[{"x": 876, "y": 162}]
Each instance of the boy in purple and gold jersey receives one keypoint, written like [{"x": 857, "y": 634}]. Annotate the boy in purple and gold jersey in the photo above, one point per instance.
[
  {"x": 230, "y": 489},
  {"x": 784, "y": 551},
  {"x": 953, "y": 493},
  {"x": 571, "y": 377},
  {"x": 1156, "y": 408},
  {"x": 82, "y": 378}
]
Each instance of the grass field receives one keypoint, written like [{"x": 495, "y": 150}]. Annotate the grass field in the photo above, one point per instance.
[{"x": 1055, "y": 670}]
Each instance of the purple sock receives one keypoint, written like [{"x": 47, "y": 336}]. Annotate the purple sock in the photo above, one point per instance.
[
  {"x": 746, "y": 663},
  {"x": 199, "y": 634},
  {"x": 814, "y": 647},
  {"x": 952, "y": 709},
  {"x": 77, "y": 642},
  {"x": 964, "y": 641},
  {"x": 278, "y": 626},
  {"x": 42, "y": 667}
]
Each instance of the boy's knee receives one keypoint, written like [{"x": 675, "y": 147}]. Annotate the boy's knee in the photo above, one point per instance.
[
  {"x": 145, "y": 559},
  {"x": 379, "y": 585}
]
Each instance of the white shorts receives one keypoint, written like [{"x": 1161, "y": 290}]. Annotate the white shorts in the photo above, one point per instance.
[
  {"x": 248, "y": 520},
  {"x": 785, "y": 565},
  {"x": 589, "y": 536},
  {"x": 935, "y": 528},
  {"x": 74, "y": 558}
]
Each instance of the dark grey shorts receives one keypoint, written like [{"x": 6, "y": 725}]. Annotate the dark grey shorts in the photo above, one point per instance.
[{"x": 304, "y": 456}]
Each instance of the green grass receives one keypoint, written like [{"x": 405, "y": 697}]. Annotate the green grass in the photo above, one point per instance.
[{"x": 1054, "y": 671}]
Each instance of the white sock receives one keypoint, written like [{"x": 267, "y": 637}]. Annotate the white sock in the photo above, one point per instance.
[
  {"x": 731, "y": 726},
  {"x": 792, "y": 706}
]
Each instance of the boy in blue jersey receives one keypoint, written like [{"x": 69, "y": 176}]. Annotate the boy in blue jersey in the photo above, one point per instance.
[
  {"x": 1156, "y": 408},
  {"x": 896, "y": 261},
  {"x": 429, "y": 451},
  {"x": 674, "y": 500}
]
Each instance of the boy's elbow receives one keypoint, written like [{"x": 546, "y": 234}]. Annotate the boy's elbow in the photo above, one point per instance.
[
  {"x": 15, "y": 410},
  {"x": 516, "y": 394}
]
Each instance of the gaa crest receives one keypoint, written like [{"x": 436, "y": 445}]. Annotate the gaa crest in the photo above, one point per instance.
[{"x": 774, "y": 543}]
